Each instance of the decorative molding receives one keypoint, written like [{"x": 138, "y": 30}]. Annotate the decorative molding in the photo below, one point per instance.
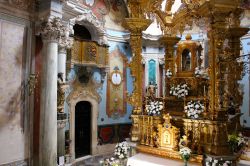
[
  {"x": 21, "y": 4},
  {"x": 154, "y": 38},
  {"x": 150, "y": 37},
  {"x": 65, "y": 43},
  {"x": 88, "y": 90},
  {"x": 91, "y": 22},
  {"x": 53, "y": 30},
  {"x": 123, "y": 38},
  {"x": 89, "y": 17}
]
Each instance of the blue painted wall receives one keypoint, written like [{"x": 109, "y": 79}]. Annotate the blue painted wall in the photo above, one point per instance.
[{"x": 124, "y": 47}]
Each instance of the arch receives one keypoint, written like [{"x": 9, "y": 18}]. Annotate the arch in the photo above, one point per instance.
[
  {"x": 94, "y": 26},
  {"x": 81, "y": 32},
  {"x": 78, "y": 95}
]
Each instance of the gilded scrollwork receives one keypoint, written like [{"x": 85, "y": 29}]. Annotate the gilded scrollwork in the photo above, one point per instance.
[{"x": 136, "y": 26}]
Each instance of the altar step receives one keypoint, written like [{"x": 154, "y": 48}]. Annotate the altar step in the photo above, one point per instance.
[
  {"x": 142, "y": 159},
  {"x": 244, "y": 163},
  {"x": 90, "y": 160}
]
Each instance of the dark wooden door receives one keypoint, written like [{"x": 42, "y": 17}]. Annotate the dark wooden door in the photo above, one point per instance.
[{"x": 82, "y": 128}]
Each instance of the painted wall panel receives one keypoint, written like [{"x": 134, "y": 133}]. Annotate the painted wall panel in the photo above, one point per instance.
[
  {"x": 124, "y": 48},
  {"x": 12, "y": 138}
]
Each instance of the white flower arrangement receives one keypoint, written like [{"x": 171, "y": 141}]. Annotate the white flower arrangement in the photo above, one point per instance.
[
  {"x": 193, "y": 109},
  {"x": 154, "y": 107},
  {"x": 242, "y": 140},
  {"x": 185, "y": 153},
  {"x": 169, "y": 73},
  {"x": 180, "y": 91},
  {"x": 121, "y": 150},
  {"x": 215, "y": 162},
  {"x": 238, "y": 142}
]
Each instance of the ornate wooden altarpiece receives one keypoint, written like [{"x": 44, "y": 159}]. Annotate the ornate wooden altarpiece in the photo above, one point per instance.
[{"x": 207, "y": 133}]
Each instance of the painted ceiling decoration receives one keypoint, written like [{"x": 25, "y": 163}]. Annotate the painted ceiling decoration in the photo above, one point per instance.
[{"x": 116, "y": 9}]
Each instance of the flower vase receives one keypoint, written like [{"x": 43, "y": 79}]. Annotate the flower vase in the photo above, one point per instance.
[
  {"x": 185, "y": 162},
  {"x": 185, "y": 158}
]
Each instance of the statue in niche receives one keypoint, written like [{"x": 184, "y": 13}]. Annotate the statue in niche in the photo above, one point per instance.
[
  {"x": 60, "y": 92},
  {"x": 151, "y": 91},
  {"x": 186, "y": 60}
]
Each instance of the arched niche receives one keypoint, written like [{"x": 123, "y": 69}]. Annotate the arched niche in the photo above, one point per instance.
[
  {"x": 186, "y": 59},
  {"x": 152, "y": 72}
]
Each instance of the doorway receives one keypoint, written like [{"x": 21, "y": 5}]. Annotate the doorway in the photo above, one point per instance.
[{"x": 82, "y": 129}]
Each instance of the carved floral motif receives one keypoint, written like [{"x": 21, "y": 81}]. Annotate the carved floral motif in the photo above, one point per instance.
[
  {"x": 53, "y": 29},
  {"x": 89, "y": 90}
]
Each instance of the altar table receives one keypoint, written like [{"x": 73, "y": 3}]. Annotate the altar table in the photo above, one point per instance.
[{"x": 142, "y": 159}]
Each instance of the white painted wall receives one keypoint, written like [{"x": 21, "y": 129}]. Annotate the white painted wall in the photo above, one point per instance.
[{"x": 13, "y": 109}]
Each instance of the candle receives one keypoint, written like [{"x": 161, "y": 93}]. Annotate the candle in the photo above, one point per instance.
[{"x": 204, "y": 90}]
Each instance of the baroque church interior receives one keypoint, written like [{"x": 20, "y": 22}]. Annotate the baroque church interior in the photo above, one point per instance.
[{"x": 124, "y": 82}]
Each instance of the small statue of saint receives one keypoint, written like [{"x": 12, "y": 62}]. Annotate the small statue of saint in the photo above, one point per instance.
[
  {"x": 151, "y": 91},
  {"x": 60, "y": 93}
]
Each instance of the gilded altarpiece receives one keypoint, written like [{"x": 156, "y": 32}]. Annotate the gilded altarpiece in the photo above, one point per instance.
[{"x": 116, "y": 86}]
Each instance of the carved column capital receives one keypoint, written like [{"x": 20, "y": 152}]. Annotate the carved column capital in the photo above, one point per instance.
[
  {"x": 52, "y": 30},
  {"x": 65, "y": 43}
]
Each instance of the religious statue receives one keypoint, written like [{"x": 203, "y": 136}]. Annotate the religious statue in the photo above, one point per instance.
[
  {"x": 60, "y": 93},
  {"x": 186, "y": 60},
  {"x": 151, "y": 91}
]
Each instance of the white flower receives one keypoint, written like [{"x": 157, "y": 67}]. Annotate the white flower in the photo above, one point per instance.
[
  {"x": 179, "y": 90},
  {"x": 194, "y": 109}
]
